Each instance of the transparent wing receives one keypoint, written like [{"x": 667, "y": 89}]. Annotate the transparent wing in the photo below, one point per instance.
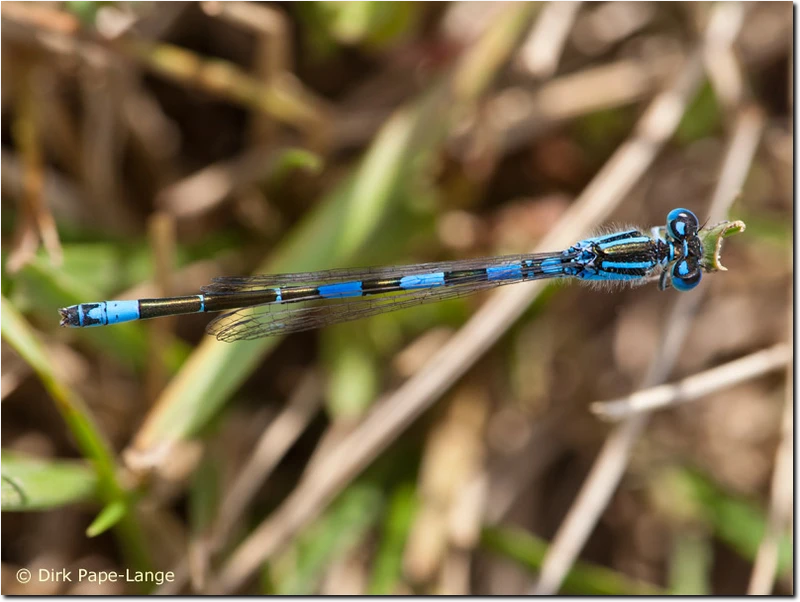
[
  {"x": 283, "y": 318},
  {"x": 251, "y": 283}
]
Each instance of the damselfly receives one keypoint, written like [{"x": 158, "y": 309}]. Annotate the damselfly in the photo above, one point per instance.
[{"x": 260, "y": 306}]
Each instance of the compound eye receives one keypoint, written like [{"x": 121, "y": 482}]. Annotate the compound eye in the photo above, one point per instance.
[
  {"x": 682, "y": 223},
  {"x": 686, "y": 274}
]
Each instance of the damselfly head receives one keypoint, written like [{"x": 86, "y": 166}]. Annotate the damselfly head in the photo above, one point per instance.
[{"x": 687, "y": 270}]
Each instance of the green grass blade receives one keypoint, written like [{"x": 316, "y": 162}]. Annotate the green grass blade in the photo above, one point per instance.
[
  {"x": 387, "y": 571},
  {"x": 109, "y": 516},
  {"x": 18, "y": 334},
  {"x": 584, "y": 578},
  {"x": 738, "y": 522},
  {"x": 33, "y": 484},
  {"x": 93, "y": 446},
  {"x": 690, "y": 563}
]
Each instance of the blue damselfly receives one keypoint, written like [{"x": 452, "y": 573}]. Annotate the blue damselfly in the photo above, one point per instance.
[{"x": 260, "y": 306}]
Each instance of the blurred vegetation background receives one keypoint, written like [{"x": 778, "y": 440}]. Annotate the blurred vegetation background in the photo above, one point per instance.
[{"x": 148, "y": 147}]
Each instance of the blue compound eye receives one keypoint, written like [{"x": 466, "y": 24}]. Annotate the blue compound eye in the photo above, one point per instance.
[
  {"x": 686, "y": 274},
  {"x": 681, "y": 224}
]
